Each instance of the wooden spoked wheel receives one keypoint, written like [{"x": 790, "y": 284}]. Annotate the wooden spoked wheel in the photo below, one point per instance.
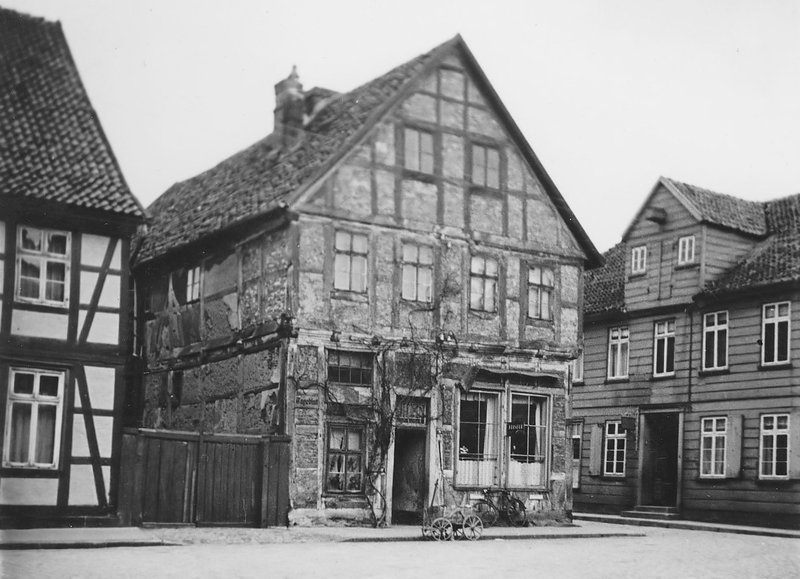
[
  {"x": 442, "y": 529},
  {"x": 472, "y": 527}
]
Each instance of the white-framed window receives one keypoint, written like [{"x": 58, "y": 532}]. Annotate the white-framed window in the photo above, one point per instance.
[
  {"x": 775, "y": 333},
  {"x": 418, "y": 150},
  {"x": 193, "y": 284},
  {"x": 485, "y": 166},
  {"x": 686, "y": 250},
  {"x": 33, "y": 418},
  {"x": 618, "y": 349},
  {"x": 715, "y": 341},
  {"x": 350, "y": 262},
  {"x": 577, "y": 368},
  {"x": 639, "y": 259},
  {"x": 417, "y": 266},
  {"x": 484, "y": 274},
  {"x": 713, "y": 442},
  {"x": 615, "y": 446},
  {"x": 575, "y": 430},
  {"x": 43, "y": 257},
  {"x": 541, "y": 283},
  {"x": 345, "y": 458},
  {"x": 774, "y": 446},
  {"x": 664, "y": 348},
  {"x": 506, "y": 426}
]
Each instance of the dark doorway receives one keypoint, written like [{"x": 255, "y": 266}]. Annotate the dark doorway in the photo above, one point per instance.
[
  {"x": 408, "y": 484},
  {"x": 660, "y": 459}
]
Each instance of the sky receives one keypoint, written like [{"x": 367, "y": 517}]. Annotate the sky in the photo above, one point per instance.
[{"x": 610, "y": 94}]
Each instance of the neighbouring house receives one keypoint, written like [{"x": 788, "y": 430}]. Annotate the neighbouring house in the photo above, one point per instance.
[
  {"x": 66, "y": 218},
  {"x": 688, "y": 402},
  {"x": 391, "y": 280}
]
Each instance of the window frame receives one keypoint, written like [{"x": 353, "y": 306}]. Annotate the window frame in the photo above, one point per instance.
[
  {"x": 712, "y": 437},
  {"x": 665, "y": 338},
  {"x": 43, "y": 257},
  {"x": 639, "y": 260},
  {"x": 577, "y": 368},
  {"x": 481, "y": 151},
  {"x": 619, "y": 436},
  {"x": 484, "y": 279},
  {"x": 774, "y": 433},
  {"x": 539, "y": 289},
  {"x": 415, "y": 134},
  {"x": 716, "y": 328},
  {"x": 35, "y": 400},
  {"x": 687, "y": 250},
  {"x": 193, "y": 284},
  {"x": 614, "y": 351},
  {"x": 347, "y": 256},
  {"x": 347, "y": 427},
  {"x": 776, "y": 322},
  {"x": 363, "y": 370},
  {"x": 575, "y": 433},
  {"x": 416, "y": 266}
]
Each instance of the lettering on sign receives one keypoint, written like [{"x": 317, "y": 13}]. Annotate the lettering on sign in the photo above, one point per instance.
[{"x": 512, "y": 427}]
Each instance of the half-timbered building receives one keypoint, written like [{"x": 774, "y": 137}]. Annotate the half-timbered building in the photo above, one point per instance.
[
  {"x": 688, "y": 403},
  {"x": 66, "y": 216},
  {"x": 391, "y": 279}
]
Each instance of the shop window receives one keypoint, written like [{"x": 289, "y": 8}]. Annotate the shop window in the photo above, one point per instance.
[
  {"x": 417, "y": 266},
  {"x": 540, "y": 292},
  {"x": 33, "y": 419},
  {"x": 618, "y": 349},
  {"x": 774, "y": 446},
  {"x": 484, "y": 275},
  {"x": 664, "y": 348},
  {"x": 485, "y": 166},
  {"x": 353, "y": 368},
  {"x": 775, "y": 333},
  {"x": 615, "y": 447},
  {"x": 350, "y": 262},
  {"x": 715, "y": 341},
  {"x": 43, "y": 258},
  {"x": 345, "y": 459},
  {"x": 418, "y": 150}
]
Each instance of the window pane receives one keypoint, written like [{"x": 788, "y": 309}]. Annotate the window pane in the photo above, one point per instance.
[
  {"x": 478, "y": 165},
  {"x": 489, "y": 297},
  {"x": 547, "y": 277},
  {"x": 48, "y": 385},
  {"x": 769, "y": 422},
  {"x": 57, "y": 243},
  {"x": 354, "y": 440},
  {"x": 623, "y": 363},
  {"x": 23, "y": 383},
  {"x": 360, "y": 244},
  {"x": 341, "y": 266},
  {"x": 476, "y": 293},
  {"x": 783, "y": 310},
  {"x": 412, "y": 149},
  {"x": 336, "y": 472},
  {"x": 783, "y": 341},
  {"x": 342, "y": 241},
  {"x": 353, "y": 470},
  {"x": 709, "y": 353},
  {"x": 491, "y": 268},
  {"x": 722, "y": 352},
  {"x": 477, "y": 265},
  {"x": 769, "y": 343},
  {"x": 409, "y": 253},
  {"x": 337, "y": 439},
  {"x": 533, "y": 302},
  {"x": 45, "y": 434},
  {"x": 19, "y": 440},
  {"x": 424, "y": 285},
  {"x": 31, "y": 239},
  {"x": 426, "y": 156},
  {"x": 358, "y": 277},
  {"x": 493, "y": 170},
  {"x": 545, "y": 312},
  {"x": 426, "y": 255},
  {"x": 409, "y": 282}
]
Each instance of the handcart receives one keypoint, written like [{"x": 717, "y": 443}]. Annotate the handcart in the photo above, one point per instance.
[{"x": 446, "y": 524}]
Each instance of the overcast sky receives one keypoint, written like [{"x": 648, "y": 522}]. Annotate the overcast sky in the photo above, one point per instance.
[{"x": 609, "y": 93}]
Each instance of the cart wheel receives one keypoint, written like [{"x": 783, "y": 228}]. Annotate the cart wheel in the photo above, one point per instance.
[
  {"x": 472, "y": 528},
  {"x": 442, "y": 529}
]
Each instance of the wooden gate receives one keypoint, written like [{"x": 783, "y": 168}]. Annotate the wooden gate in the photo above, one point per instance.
[{"x": 184, "y": 477}]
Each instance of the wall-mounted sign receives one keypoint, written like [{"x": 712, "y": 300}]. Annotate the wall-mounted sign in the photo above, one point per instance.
[{"x": 512, "y": 427}]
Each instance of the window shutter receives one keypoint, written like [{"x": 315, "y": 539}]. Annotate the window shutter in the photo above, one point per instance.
[
  {"x": 794, "y": 444},
  {"x": 596, "y": 451},
  {"x": 733, "y": 447}
]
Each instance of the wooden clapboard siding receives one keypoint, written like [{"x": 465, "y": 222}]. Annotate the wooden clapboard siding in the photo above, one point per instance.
[{"x": 723, "y": 249}]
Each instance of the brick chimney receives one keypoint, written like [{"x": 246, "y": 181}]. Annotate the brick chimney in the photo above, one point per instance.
[{"x": 289, "y": 107}]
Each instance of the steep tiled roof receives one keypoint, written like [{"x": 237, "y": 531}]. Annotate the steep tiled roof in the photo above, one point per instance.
[
  {"x": 773, "y": 261},
  {"x": 604, "y": 288},
  {"x": 51, "y": 144},
  {"x": 261, "y": 177},
  {"x": 724, "y": 210}
]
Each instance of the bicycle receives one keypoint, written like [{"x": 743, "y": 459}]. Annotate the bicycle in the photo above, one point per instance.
[{"x": 510, "y": 507}]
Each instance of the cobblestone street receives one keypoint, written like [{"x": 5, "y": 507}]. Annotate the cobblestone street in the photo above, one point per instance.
[{"x": 661, "y": 553}]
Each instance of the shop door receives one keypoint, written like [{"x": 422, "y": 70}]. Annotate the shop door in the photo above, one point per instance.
[
  {"x": 408, "y": 484},
  {"x": 660, "y": 460}
]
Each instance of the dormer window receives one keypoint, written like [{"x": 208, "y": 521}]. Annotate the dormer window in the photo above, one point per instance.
[
  {"x": 686, "y": 250},
  {"x": 639, "y": 259}
]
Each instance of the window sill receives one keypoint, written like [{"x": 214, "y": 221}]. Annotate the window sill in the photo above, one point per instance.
[
  {"x": 713, "y": 479},
  {"x": 620, "y": 380},
  {"x": 714, "y": 371},
  {"x": 637, "y": 275},
  {"x": 418, "y": 175},
  {"x": 538, "y": 322},
  {"x": 28, "y": 472},
  {"x": 613, "y": 477},
  {"x": 782, "y": 482},
  {"x": 662, "y": 377},
  {"x": 420, "y": 305},
  {"x": 349, "y": 296},
  {"x": 44, "y": 307},
  {"x": 688, "y": 265},
  {"x": 483, "y": 314},
  {"x": 777, "y": 366}
]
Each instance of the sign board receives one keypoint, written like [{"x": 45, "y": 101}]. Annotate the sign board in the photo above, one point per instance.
[{"x": 512, "y": 427}]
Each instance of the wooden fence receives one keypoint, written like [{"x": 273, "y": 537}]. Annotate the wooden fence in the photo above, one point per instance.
[{"x": 191, "y": 478}]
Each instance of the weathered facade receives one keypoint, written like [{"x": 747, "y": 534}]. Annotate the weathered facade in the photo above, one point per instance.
[
  {"x": 688, "y": 404},
  {"x": 66, "y": 218},
  {"x": 390, "y": 278}
]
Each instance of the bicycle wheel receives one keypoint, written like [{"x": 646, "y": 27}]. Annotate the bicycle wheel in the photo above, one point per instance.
[
  {"x": 486, "y": 511},
  {"x": 515, "y": 512}
]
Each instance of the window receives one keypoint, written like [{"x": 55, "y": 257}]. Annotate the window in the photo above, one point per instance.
[
  {"x": 540, "y": 293},
  {"x": 639, "y": 259},
  {"x": 715, "y": 341},
  {"x": 485, "y": 166},
  {"x": 614, "y": 462},
  {"x": 686, "y": 250},
  {"x": 577, "y": 368},
  {"x": 33, "y": 419},
  {"x": 345, "y": 472},
  {"x": 713, "y": 437},
  {"x": 488, "y": 430},
  {"x": 417, "y": 272},
  {"x": 419, "y": 151},
  {"x": 664, "y": 348},
  {"x": 483, "y": 284},
  {"x": 575, "y": 430},
  {"x": 618, "y": 343},
  {"x": 350, "y": 262},
  {"x": 775, "y": 333},
  {"x": 774, "y": 451},
  {"x": 193, "y": 284},
  {"x": 43, "y": 266},
  {"x": 354, "y": 368}
]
